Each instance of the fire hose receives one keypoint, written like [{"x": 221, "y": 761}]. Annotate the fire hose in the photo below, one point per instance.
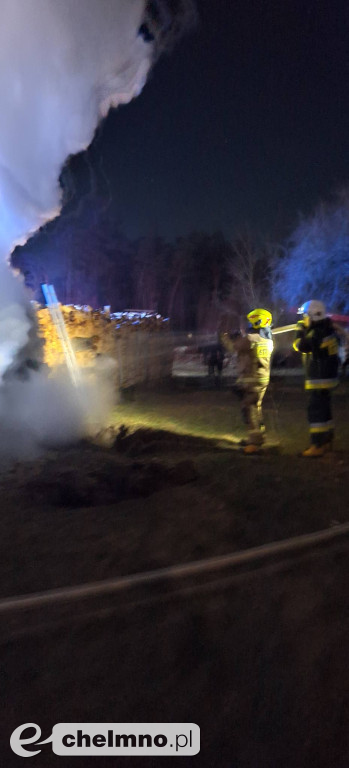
[{"x": 284, "y": 329}]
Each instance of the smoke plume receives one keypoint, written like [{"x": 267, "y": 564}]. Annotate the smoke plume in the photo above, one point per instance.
[{"x": 63, "y": 64}]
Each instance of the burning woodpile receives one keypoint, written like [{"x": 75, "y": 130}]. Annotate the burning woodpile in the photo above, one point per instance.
[{"x": 138, "y": 342}]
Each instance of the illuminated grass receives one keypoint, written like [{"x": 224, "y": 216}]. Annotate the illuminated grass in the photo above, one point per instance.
[
  {"x": 184, "y": 421},
  {"x": 216, "y": 415},
  {"x": 210, "y": 415}
]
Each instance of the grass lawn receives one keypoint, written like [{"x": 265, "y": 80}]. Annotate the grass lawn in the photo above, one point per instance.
[
  {"x": 259, "y": 661},
  {"x": 176, "y": 488},
  {"x": 215, "y": 414}
]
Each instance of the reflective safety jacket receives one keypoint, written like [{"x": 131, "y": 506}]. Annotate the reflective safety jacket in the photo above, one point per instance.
[
  {"x": 319, "y": 346},
  {"x": 254, "y": 353}
]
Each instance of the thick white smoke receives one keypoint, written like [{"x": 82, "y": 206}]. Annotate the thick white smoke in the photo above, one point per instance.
[{"x": 63, "y": 63}]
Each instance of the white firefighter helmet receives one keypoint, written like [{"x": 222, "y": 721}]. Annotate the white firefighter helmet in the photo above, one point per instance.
[{"x": 315, "y": 310}]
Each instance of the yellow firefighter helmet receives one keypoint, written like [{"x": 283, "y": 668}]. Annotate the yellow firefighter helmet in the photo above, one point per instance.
[{"x": 260, "y": 318}]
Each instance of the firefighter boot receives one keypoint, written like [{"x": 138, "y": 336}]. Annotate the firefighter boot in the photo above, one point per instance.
[
  {"x": 315, "y": 451},
  {"x": 251, "y": 449}
]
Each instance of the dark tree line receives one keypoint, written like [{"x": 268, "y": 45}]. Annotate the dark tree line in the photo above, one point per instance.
[
  {"x": 202, "y": 281},
  {"x": 195, "y": 281}
]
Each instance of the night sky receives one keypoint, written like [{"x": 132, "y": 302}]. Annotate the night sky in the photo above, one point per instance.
[{"x": 244, "y": 124}]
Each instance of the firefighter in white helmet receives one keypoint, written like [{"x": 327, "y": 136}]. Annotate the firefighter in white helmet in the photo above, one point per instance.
[
  {"x": 253, "y": 358},
  {"x": 317, "y": 340}
]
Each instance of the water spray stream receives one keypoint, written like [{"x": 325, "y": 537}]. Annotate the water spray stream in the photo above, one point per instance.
[{"x": 59, "y": 324}]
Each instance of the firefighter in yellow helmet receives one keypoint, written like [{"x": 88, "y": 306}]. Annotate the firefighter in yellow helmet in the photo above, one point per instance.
[{"x": 253, "y": 358}]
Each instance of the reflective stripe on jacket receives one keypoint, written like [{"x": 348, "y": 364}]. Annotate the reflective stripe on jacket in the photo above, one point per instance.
[{"x": 319, "y": 347}]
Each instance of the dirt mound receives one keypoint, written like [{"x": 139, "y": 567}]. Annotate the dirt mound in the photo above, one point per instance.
[
  {"x": 89, "y": 474},
  {"x": 158, "y": 440}
]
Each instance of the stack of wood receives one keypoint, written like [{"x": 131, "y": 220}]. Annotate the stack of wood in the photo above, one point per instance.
[{"x": 139, "y": 343}]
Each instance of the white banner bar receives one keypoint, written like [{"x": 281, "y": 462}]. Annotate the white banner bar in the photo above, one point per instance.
[{"x": 168, "y": 739}]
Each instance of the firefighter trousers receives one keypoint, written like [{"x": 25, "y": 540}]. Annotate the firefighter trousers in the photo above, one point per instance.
[
  {"x": 251, "y": 398},
  {"x": 321, "y": 425}
]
